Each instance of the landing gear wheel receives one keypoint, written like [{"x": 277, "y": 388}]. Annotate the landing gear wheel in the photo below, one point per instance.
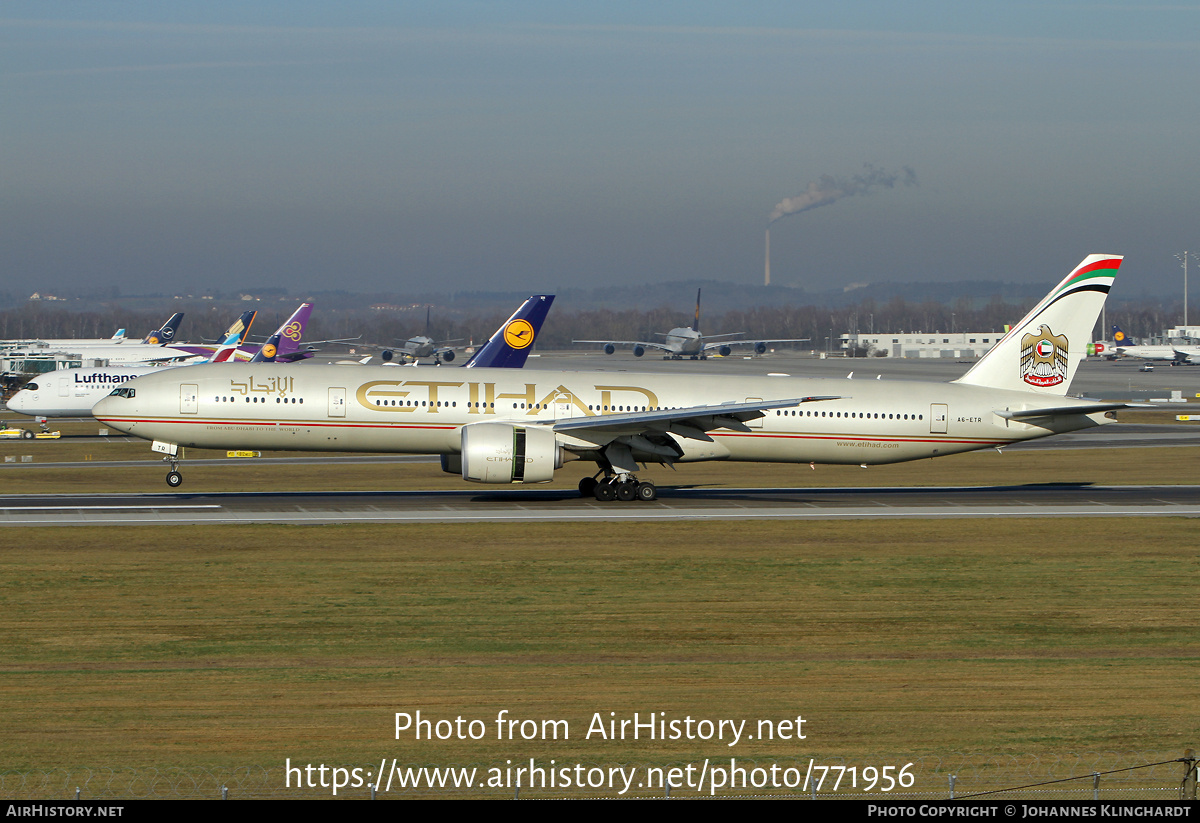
[
  {"x": 587, "y": 487},
  {"x": 605, "y": 492},
  {"x": 174, "y": 479},
  {"x": 27, "y": 435},
  {"x": 627, "y": 491},
  {"x": 647, "y": 491}
]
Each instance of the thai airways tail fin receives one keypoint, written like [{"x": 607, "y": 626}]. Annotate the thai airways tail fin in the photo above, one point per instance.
[
  {"x": 291, "y": 333},
  {"x": 166, "y": 332},
  {"x": 1041, "y": 353},
  {"x": 509, "y": 346}
]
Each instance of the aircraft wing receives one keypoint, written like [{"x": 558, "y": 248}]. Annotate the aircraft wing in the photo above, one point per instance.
[
  {"x": 731, "y": 343},
  {"x": 693, "y": 421},
  {"x": 642, "y": 343}
]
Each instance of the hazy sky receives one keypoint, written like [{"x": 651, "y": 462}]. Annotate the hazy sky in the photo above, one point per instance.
[{"x": 543, "y": 145}]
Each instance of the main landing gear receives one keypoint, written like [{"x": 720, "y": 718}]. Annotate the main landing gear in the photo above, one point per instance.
[{"x": 624, "y": 487}]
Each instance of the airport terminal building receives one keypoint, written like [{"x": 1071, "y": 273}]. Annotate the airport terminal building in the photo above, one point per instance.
[{"x": 957, "y": 345}]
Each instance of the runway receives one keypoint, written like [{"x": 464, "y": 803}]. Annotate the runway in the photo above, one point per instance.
[{"x": 674, "y": 503}]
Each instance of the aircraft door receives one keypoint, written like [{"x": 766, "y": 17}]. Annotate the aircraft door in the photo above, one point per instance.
[
  {"x": 64, "y": 387},
  {"x": 337, "y": 402},
  {"x": 757, "y": 422},
  {"x": 187, "y": 398},
  {"x": 564, "y": 409},
  {"x": 938, "y": 415}
]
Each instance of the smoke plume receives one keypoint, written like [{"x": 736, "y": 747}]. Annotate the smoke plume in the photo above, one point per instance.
[{"x": 829, "y": 189}]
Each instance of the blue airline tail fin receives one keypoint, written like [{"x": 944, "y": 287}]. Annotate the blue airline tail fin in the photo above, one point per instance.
[
  {"x": 237, "y": 332},
  {"x": 269, "y": 352},
  {"x": 166, "y": 332},
  {"x": 510, "y": 345}
]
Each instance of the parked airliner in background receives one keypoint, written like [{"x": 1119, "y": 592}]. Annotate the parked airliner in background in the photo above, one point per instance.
[
  {"x": 683, "y": 342},
  {"x": 1174, "y": 354},
  {"x": 73, "y": 392},
  {"x": 156, "y": 337},
  {"x": 510, "y": 426},
  {"x": 422, "y": 346}
]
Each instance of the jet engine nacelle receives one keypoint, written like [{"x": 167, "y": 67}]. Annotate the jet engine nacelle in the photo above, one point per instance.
[
  {"x": 507, "y": 453},
  {"x": 760, "y": 348},
  {"x": 386, "y": 355},
  {"x": 638, "y": 351},
  {"x": 725, "y": 351},
  {"x": 448, "y": 356},
  {"x": 609, "y": 348}
]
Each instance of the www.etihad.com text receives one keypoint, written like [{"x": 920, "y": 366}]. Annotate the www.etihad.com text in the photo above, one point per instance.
[{"x": 708, "y": 776}]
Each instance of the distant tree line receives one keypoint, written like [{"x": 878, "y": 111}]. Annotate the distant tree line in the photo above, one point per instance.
[{"x": 388, "y": 327}]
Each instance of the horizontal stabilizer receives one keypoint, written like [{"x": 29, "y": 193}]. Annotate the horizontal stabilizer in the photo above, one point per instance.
[{"x": 1059, "y": 411}]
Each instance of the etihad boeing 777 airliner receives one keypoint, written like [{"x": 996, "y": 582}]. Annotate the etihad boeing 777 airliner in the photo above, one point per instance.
[{"x": 520, "y": 426}]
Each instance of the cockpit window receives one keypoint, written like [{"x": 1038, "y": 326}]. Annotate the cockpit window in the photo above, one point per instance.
[
  {"x": 123, "y": 391},
  {"x": 30, "y": 386}
]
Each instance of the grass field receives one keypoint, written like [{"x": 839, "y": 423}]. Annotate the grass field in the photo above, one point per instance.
[{"x": 238, "y": 646}]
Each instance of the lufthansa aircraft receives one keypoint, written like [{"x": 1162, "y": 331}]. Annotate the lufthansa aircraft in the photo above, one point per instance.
[
  {"x": 520, "y": 426},
  {"x": 1174, "y": 354},
  {"x": 155, "y": 337},
  {"x": 683, "y": 342}
]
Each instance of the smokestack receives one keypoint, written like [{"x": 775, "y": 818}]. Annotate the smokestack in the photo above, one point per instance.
[{"x": 767, "y": 277}]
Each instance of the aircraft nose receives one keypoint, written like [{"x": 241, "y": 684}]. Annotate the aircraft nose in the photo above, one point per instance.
[{"x": 105, "y": 406}]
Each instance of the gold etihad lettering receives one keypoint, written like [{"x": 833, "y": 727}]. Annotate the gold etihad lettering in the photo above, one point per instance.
[
  {"x": 482, "y": 397},
  {"x": 562, "y": 395},
  {"x": 282, "y": 386}
]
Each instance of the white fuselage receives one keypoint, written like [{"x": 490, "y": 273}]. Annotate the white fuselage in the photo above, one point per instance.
[
  {"x": 73, "y": 392},
  {"x": 122, "y": 355},
  {"x": 365, "y": 408},
  {"x": 1157, "y": 352},
  {"x": 684, "y": 341}
]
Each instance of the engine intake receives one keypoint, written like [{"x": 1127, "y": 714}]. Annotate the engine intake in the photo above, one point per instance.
[{"x": 505, "y": 453}]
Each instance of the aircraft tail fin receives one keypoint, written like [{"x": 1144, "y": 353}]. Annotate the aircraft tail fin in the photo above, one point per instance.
[
  {"x": 269, "y": 351},
  {"x": 510, "y": 345},
  {"x": 119, "y": 335},
  {"x": 291, "y": 333},
  {"x": 1120, "y": 338},
  {"x": 1041, "y": 353},
  {"x": 237, "y": 332},
  {"x": 166, "y": 332},
  {"x": 696, "y": 322}
]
